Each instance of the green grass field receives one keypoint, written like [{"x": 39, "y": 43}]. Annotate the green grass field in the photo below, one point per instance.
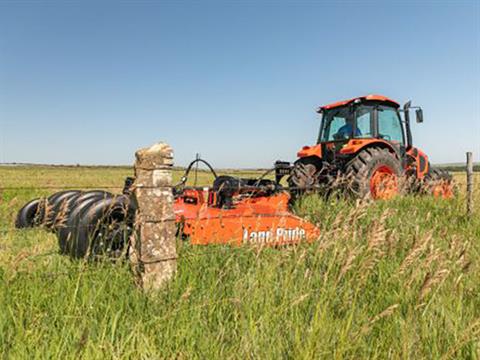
[{"x": 395, "y": 279}]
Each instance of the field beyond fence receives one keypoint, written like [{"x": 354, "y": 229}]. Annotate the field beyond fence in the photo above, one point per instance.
[{"x": 393, "y": 279}]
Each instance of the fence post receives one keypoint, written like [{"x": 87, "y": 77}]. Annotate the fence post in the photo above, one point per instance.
[
  {"x": 153, "y": 251},
  {"x": 469, "y": 183}
]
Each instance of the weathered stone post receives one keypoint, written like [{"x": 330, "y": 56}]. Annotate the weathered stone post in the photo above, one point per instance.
[{"x": 153, "y": 251}]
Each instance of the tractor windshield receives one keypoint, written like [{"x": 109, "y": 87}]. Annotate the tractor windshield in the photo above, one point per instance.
[
  {"x": 345, "y": 122},
  {"x": 336, "y": 124}
]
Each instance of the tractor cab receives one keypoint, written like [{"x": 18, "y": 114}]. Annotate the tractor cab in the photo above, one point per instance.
[
  {"x": 347, "y": 126},
  {"x": 368, "y": 117},
  {"x": 362, "y": 119}
]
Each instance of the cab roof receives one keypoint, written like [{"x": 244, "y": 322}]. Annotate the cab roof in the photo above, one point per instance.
[{"x": 371, "y": 97}]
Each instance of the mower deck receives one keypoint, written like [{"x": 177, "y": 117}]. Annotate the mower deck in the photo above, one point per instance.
[{"x": 263, "y": 220}]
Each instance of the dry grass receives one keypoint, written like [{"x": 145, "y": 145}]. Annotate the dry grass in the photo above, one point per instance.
[{"x": 395, "y": 279}]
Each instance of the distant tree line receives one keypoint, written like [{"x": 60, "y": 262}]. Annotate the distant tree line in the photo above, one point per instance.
[{"x": 476, "y": 167}]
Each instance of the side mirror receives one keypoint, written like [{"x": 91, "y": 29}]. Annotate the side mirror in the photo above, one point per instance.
[{"x": 419, "y": 114}]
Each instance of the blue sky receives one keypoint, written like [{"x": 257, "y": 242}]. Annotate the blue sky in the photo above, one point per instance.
[{"x": 238, "y": 82}]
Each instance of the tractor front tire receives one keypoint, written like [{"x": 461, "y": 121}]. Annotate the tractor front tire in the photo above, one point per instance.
[
  {"x": 303, "y": 177},
  {"x": 374, "y": 173}
]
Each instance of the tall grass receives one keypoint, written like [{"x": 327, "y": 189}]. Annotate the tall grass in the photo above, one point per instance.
[{"x": 396, "y": 279}]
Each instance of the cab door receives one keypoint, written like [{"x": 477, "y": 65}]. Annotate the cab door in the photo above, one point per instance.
[{"x": 389, "y": 128}]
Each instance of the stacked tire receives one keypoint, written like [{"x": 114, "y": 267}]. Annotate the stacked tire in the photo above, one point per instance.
[{"x": 88, "y": 224}]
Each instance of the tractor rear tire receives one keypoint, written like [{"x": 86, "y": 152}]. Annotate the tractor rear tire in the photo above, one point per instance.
[{"x": 374, "y": 173}]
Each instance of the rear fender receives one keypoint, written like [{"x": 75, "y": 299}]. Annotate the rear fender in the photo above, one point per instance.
[
  {"x": 420, "y": 159},
  {"x": 353, "y": 146}
]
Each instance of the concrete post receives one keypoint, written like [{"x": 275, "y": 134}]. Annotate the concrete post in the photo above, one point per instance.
[{"x": 153, "y": 251}]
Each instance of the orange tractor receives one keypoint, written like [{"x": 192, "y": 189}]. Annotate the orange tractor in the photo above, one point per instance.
[{"x": 365, "y": 148}]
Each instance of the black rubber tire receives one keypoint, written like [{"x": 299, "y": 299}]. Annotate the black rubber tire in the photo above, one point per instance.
[
  {"x": 439, "y": 174},
  {"x": 56, "y": 204},
  {"x": 435, "y": 176},
  {"x": 52, "y": 199},
  {"x": 302, "y": 169},
  {"x": 91, "y": 237},
  {"x": 30, "y": 215},
  {"x": 360, "y": 169},
  {"x": 63, "y": 211},
  {"x": 65, "y": 232},
  {"x": 303, "y": 176}
]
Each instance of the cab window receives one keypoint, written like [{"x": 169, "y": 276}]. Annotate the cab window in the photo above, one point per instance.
[
  {"x": 336, "y": 124},
  {"x": 364, "y": 116},
  {"x": 389, "y": 125}
]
